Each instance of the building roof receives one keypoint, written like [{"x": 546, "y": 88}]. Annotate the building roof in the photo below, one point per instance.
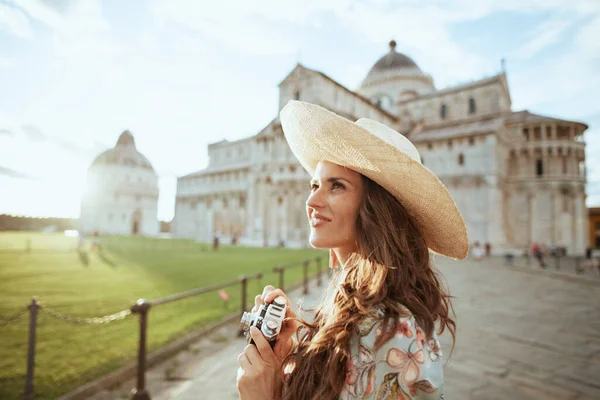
[
  {"x": 458, "y": 129},
  {"x": 594, "y": 211},
  {"x": 525, "y": 117},
  {"x": 351, "y": 92},
  {"x": 124, "y": 153}
]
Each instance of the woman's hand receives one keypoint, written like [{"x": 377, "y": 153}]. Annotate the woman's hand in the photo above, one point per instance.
[
  {"x": 285, "y": 343},
  {"x": 259, "y": 376}
]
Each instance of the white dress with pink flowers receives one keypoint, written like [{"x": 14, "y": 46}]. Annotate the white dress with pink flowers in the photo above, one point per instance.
[{"x": 406, "y": 367}]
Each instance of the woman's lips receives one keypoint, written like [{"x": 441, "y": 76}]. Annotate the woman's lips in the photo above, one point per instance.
[{"x": 316, "y": 222}]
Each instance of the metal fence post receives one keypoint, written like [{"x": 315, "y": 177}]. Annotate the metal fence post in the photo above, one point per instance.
[
  {"x": 33, "y": 310},
  {"x": 244, "y": 300},
  {"x": 141, "y": 307},
  {"x": 281, "y": 270},
  {"x": 318, "y": 260},
  {"x": 305, "y": 273}
]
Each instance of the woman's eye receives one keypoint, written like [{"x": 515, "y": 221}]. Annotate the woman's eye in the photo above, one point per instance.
[
  {"x": 337, "y": 185},
  {"x": 314, "y": 186}
]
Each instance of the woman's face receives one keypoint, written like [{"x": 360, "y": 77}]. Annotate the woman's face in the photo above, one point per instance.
[{"x": 332, "y": 206}]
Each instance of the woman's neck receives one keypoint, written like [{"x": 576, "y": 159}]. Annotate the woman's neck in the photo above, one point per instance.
[{"x": 342, "y": 255}]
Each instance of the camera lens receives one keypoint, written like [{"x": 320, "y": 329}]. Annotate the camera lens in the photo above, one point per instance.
[{"x": 247, "y": 320}]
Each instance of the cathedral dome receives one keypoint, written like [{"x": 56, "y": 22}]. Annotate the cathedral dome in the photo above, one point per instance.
[
  {"x": 393, "y": 61},
  {"x": 124, "y": 153},
  {"x": 393, "y": 78}
]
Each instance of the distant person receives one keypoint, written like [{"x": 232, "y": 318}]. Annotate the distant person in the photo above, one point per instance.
[
  {"x": 374, "y": 335},
  {"x": 96, "y": 241},
  {"x": 488, "y": 249},
  {"x": 478, "y": 251},
  {"x": 216, "y": 241},
  {"x": 81, "y": 240},
  {"x": 538, "y": 254}
]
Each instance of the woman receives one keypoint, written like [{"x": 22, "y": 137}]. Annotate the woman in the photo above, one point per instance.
[{"x": 380, "y": 212}]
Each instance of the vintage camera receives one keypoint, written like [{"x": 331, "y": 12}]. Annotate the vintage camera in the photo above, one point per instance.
[{"x": 268, "y": 319}]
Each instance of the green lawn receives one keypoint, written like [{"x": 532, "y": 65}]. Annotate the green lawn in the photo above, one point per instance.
[{"x": 93, "y": 284}]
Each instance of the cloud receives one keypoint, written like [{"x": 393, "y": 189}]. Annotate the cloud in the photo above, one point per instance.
[
  {"x": 6, "y": 132},
  {"x": 15, "y": 174},
  {"x": 14, "y": 21},
  {"x": 543, "y": 36},
  {"x": 78, "y": 26},
  {"x": 33, "y": 134}
]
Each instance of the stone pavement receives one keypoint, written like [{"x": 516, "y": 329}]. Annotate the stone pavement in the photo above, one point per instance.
[{"x": 523, "y": 333}]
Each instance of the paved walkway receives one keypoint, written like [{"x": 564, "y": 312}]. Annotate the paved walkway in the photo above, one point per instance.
[{"x": 523, "y": 333}]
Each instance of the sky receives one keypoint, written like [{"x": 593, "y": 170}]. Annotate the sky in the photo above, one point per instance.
[{"x": 182, "y": 74}]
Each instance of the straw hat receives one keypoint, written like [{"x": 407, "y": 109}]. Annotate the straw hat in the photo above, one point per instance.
[{"x": 386, "y": 157}]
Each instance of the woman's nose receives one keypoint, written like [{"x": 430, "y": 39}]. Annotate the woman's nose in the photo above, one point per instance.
[{"x": 316, "y": 200}]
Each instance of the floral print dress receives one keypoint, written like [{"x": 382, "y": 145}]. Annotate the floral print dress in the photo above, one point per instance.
[{"x": 406, "y": 367}]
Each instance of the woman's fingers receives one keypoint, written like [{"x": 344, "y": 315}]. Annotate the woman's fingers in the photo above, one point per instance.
[
  {"x": 243, "y": 362},
  {"x": 267, "y": 289},
  {"x": 270, "y": 296},
  {"x": 252, "y": 354},
  {"x": 258, "y": 301},
  {"x": 263, "y": 346}
]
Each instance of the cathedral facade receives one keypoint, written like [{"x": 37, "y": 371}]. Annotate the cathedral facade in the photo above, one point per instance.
[{"x": 516, "y": 177}]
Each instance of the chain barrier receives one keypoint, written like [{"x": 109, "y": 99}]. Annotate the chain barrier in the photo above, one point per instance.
[
  {"x": 80, "y": 320},
  {"x": 7, "y": 321}
]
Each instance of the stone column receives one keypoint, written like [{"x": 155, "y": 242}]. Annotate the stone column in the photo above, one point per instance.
[
  {"x": 580, "y": 233},
  {"x": 291, "y": 213},
  {"x": 257, "y": 222},
  {"x": 553, "y": 130},
  {"x": 496, "y": 210},
  {"x": 250, "y": 206},
  {"x": 532, "y": 217},
  {"x": 557, "y": 199},
  {"x": 265, "y": 214},
  {"x": 571, "y": 132},
  {"x": 284, "y": 216}
]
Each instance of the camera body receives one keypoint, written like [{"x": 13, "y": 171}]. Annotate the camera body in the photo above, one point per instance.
[{"x": 268, "y": 319}]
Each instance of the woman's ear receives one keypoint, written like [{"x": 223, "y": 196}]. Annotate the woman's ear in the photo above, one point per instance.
[{"x": 333, "y": 260}]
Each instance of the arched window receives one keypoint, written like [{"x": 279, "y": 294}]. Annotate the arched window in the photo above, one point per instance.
[
  {"x": 461, "y": 159},
  {"x": 472, "y": 108},
  {"x": 539, "y": 167},
  {"x": 443, "y": 111}
]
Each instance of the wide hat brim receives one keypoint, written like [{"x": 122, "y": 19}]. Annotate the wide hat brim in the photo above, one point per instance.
[{"x": 316, "y": 134}]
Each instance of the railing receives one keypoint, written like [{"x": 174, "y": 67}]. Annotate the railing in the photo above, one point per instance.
[
  {"x": 282, "y": 268},
  {"x": 142, "y": 307}
]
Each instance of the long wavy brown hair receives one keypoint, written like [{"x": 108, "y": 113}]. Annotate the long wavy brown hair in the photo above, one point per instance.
[{"x": 390, "y": 268}]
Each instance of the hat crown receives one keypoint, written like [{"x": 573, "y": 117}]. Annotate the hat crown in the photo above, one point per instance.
[{"x": 391, "y": 137}]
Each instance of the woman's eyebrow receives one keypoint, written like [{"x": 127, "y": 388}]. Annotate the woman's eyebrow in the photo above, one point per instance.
[{"x": 332, "y": 179}]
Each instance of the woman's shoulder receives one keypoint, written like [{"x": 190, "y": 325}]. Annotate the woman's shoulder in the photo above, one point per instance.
[
  {"x": 407, "y": 364},
  {"x": 376, "y": 317}
]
